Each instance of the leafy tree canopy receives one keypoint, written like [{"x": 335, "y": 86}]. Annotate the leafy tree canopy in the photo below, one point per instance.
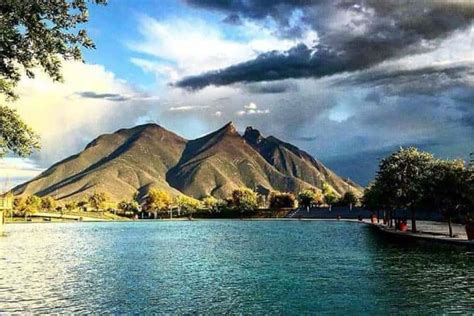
[
  {"x": 187, "y": 203},
  {"x": 97, "y": 200},
  {"x": 309, "y": 197},
  {"x": 40, "y": 33},
  {"x": 244, "y": 199},
  {"x": 15, "y": 135},
  {"x": 282, "y": 199},
  {"x": 158, "y": 200}
]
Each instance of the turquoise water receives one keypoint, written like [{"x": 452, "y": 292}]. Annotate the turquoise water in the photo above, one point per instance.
[{"x": 216, "y": 267}]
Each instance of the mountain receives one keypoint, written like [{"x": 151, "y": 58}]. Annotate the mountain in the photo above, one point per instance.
[
  {"x": 137, "y": 159},
  {"x": 294, "y": 162},
  {"x": 222, "y": 161},
  {"x": 119, "y": 164}
]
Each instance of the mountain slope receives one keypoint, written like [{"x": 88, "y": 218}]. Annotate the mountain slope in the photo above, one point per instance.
[
  {"x": 119, "y": 164},
  {"x": 294, "y": 162},
  {"x": 222, "y": 161},
  {"x": 136, "y": 159}
]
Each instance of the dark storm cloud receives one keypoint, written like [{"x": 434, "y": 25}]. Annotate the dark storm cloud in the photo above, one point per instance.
[
  {"x": 428, "y": 80},
  {"x": 354, "y": 35},
  {"x": 104, "y": 96},
  {"x": 232, "y": 19},
  {"x": 270, "y": 87}
]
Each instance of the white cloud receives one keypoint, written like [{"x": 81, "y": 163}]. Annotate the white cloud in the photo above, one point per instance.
[
  {"x": 252, "y": 109},
  {"x": 185, "y": 108},
  {"x": 251, "y": 106},
  {"x": 91, "y": 101},
  {"x": 179, "y": 47}
]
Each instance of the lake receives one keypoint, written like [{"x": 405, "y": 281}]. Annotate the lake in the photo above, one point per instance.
[{"x": 217, "y": 267}]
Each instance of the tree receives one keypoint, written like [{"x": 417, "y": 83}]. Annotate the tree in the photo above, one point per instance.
[
  {"x": 310, "y": 197},
  {"x": 403, "y": 172},
  {"x": 282, "y": 200},
  {"x": 71, "y": 205},
  {"x": 445, "y": 188},
  {"x": 186, "y": 203},
  {"x": 31, "y": 204},
  {"x": 97, "y": 200},
  {"x": 35, "y": 33},
  {"x": 349, "y": 199},
  {"x": 129, "y": 206},
  {"x": 40, "y": 33},
  {"x": 48, "y": 203},
  {"x": 210, "y": 203},
  {"x": 82, "y": 204},
  {"x": 244, "y": 200},
  {"x": 329, "y": 196},
  {"x": 15, "y": 135},
  {"x": 158, "y": 200}
]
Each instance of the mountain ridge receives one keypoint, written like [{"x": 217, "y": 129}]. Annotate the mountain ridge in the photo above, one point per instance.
[{"x": 133, "y": 160}]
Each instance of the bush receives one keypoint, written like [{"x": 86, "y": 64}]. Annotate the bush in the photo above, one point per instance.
[
  {"x": 244, "y": 200},
  {"x": 282, "y": 200}
]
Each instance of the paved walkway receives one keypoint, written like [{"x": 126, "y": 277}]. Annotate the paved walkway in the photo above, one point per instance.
[{"x": 432, "y": 231}]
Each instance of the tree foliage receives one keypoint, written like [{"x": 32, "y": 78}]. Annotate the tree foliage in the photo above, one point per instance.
[
  {"x": 329, "y": 196},
  {"x": 349, "y": 198},
  {"x": 310, "y": 198},
  {"x": 48, "y": 203},
  {"x": 282, "y": 200},
  {"x": 15, "y": 135},
  {"x": 40, "y": 33},
  {"x": 244, "y": 200},
  {"x": 412, "y": 179},
  {"x": 186, "y": 203},
  {"x": 158, "y": 200},
  {"x": 97, "y": 200},
  {"x": 129, "y": 206}
]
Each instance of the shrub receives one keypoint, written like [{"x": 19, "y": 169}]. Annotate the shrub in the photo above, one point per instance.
[{"x": 282, "y": 200}]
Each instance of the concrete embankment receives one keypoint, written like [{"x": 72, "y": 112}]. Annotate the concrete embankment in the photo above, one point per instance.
[{"x": 431, "y": 232}]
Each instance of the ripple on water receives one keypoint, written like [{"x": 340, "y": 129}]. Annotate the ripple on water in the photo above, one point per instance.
[{"x": 226, "y": 267}]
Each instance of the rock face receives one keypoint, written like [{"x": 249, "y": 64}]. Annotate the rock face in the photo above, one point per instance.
[{"x": 137, "y": 159}]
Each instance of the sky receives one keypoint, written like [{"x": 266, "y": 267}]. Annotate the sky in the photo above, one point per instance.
[{"x": 348, "y": 81}]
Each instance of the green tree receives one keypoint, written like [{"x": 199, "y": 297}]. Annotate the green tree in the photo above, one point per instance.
[
  {"x": 282, "y": 200},
  {"x": 349, "y": 199},
  {"x": 35, "y": 33},
  {"x": 97, "y": 200},
  {"x": 15, "y": 135},
  {"x": 445, "y": 189},
  {"x": 310, "y": 197},
  {"x": 329, "y": 196},
  {"x": 129, "y": 206},
  {"x": 404, "y": 173},
  {"x": 244, "y": 200},
  {"x": 40, "y": 33}
]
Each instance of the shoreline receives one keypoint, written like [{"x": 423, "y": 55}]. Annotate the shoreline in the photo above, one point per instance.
[{"x": 426, "y": 236}]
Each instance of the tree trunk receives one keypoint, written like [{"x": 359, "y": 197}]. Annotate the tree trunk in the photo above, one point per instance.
[
  {"x": 450, "y": 227},
  {"x": 413, "y": 221}
]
